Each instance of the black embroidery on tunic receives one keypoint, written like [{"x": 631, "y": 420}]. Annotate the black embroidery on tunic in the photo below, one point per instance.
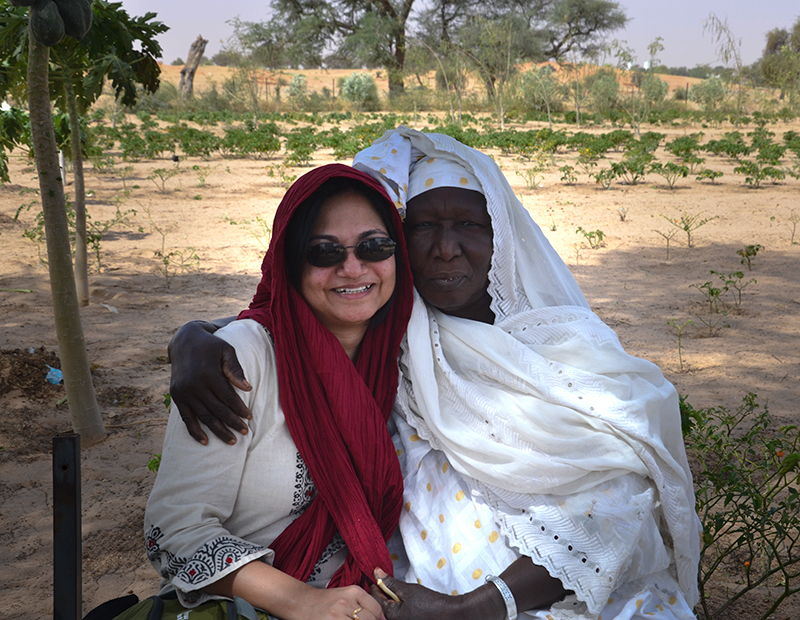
[
  {"x": 215, "y": 556},
  {"x": 336, "y": 545},
  {"x": 304, "y": 489},
  {"x": 169, "y": 562}
]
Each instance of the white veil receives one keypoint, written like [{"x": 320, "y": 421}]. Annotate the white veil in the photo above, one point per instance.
[{"x": 543, "y": 410}]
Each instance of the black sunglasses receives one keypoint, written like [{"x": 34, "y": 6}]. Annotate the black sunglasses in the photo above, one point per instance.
[{"x": 372, "y": 250}]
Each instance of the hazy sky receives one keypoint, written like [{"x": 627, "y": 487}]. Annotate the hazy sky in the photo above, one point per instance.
[{"x": 679, "y": 22}]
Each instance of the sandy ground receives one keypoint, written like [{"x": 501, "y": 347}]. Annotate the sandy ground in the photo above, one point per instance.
[{"x": 629, "y": 282}]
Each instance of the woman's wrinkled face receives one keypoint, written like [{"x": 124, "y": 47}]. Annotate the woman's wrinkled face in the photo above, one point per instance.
[
  {"x": 347, "y": 295},
  {"x": 449, "y": 236}
]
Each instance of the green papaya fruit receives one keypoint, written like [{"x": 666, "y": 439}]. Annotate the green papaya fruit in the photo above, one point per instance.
[
  {"x": 46, "y": 25},
  {"x": 77, "y": 16}
]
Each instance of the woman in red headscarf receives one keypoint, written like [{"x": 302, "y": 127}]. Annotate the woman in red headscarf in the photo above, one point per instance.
[{"x": 295, "y": 517}]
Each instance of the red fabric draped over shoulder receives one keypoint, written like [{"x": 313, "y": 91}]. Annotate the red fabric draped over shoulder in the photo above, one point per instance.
[{"x": 336, "y": 411}]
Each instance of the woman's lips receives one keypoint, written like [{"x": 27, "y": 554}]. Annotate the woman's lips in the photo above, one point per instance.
[
  {"x": 446, "y": 281},
  {"x": 354, "y": 290}
]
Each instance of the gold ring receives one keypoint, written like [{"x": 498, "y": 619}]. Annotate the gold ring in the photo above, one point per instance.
[{"x": 354, "y": 615}]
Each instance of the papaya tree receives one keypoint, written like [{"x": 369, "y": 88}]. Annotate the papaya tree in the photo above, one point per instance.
[
  {"x": 47, "y": 27},
  {"x": 79, "y": 71}
]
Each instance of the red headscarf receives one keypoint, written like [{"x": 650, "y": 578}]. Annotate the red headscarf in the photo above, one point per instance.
[{"x": 336, "y": 411}]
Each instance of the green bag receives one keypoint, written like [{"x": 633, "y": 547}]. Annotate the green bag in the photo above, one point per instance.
[{"x": 168, "y": 607}]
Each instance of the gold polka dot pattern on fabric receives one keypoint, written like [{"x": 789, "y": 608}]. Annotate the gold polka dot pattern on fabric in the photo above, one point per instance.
[
  {"x": 423, "y": 534},
  {"x": 660, "y": 607},
  {"x": 463, "y": 181},
  {"x": 399, "y": 451},
  {"x": 476, "y": 574},
  {"x": 549, "y": 617},
  {"x": 673, "y": 600},
  {"x": 429, "y": 487},
  {"x": 394, "y": 557},
  {"x": 445, "y": 467},
  {"x": 599, "y": 617},
  {"x": 459, "y": 496},
  {"x": 375, "y": 157},
  {"x": 407, "y": 506},
  {"x": 456, "y": 547},
  {"x": 382, "y": 171},
  {"x": 639, "y": 603},
  {"x": 394, "y": 151},
  {"x": 431, "y": 160},
  {"x": 454, "y": 593},
  {"x": 611, "y": 600},
  {"x": 440, "y": 564},
  {"x": 414, "y": 438},
  {"x": 478, "y": 523},
  {"x": 405, "y": 187},
  {"x": 441, "y": 518},
  {"x": 493, "y": 537},
  {"x": 429, "y": 182},
  {"x": 419, "y": 581}
]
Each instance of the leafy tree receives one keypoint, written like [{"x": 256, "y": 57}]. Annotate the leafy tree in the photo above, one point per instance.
[
  {"x": 86, "y": 418},
  {"x": 709, "y": 93},
  {"x": 495, "y": 47},
  {"x": 76, "y": 81},
  {"x": 729, "y": 52},
  {"x": 374, "y": 32},
  {"x": 540, "y": 88},
  {"x": 604, "y": 89},
  {"x": 647, "y": 89},
  {"x": 780, "y": 63},
  {"x": 577, "y": 88}
]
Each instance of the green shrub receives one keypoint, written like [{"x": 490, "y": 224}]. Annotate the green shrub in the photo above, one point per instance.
[
  {"x": 361, "y": 90},
  {"x": 746, "y": 480}
]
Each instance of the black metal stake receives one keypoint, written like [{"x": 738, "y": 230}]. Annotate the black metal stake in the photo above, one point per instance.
[{"x": 67, "y": 586}]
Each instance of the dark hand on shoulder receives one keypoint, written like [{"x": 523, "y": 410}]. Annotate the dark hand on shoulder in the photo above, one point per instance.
[{"x": 204, "y": 371}]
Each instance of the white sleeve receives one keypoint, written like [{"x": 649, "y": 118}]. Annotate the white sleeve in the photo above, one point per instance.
[{"x": 197, "y": 486}]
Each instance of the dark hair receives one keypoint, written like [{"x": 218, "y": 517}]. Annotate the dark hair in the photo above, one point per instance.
[{"x": 298, "y": 231}]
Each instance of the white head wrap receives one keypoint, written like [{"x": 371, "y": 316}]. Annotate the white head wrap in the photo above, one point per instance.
[
  {"x": 543, "y": 408},
  {"x": 434, "y": 172}
]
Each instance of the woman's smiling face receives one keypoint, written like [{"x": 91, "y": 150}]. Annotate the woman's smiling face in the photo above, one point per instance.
[{"x": 346, "y": 296}]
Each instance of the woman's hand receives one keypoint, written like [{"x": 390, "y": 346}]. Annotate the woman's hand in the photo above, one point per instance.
[
  {"x": 286, "y": 597},
  {"x": 203, "y": 369},
  {"x": 420, "y": 603},
  {"x": 341, "y": 604}
]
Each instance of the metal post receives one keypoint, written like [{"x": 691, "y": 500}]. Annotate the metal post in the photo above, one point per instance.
[{"x": 67, "y": 586}]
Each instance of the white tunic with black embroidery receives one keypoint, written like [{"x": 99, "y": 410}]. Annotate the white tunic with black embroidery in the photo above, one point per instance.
[{"x": 215, "y": 508}]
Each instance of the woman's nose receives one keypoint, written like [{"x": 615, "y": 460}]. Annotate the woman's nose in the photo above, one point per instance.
[
  {"x": 352, "y": 264},
  {"x": 447, "y": 245}
]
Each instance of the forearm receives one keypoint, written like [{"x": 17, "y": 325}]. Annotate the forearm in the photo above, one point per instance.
[
  {"x": 265, "y": 587},
  {"x": 531, "y": 585}
]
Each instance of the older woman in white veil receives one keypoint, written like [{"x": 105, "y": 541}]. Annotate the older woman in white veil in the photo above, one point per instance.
[{"x": 533, "y": 434}]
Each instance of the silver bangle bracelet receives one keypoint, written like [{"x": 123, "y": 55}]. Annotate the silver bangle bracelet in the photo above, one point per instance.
[{"x": 508, "y": 597}]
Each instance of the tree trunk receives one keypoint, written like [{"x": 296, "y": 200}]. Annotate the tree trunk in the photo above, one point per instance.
[
  {"x": 86, "y": 418},
  {"x": 395, "y": 73},
  {"x": 186, "y": 88},
  {"x": 81, "y": 259}
]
